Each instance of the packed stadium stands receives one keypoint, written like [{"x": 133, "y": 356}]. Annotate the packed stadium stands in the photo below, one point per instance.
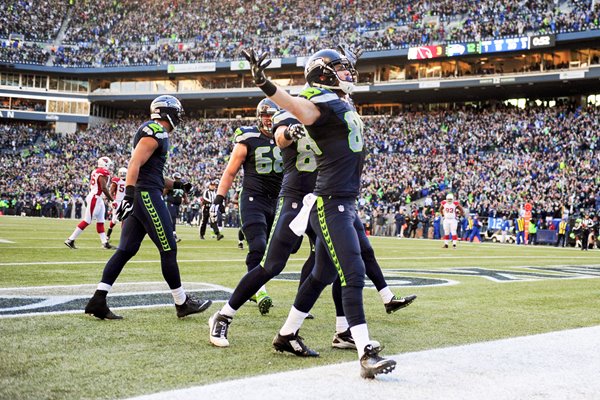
[
  {"x": 494, "y": 160},
  {"x": 108, "y": 32}
]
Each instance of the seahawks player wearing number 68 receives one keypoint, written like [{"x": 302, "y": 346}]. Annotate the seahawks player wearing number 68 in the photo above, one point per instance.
[
  {"x": 144, "y": 212},
  {"x": 337, "y": 130},
  {"x": 255, "y": 151}
]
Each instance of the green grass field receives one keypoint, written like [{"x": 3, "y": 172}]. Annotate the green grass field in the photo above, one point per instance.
[{"x": 74, "y": 356}]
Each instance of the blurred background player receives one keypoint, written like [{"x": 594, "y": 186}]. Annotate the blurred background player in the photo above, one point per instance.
[
  {"x": 207, "y": 200},
  {"x": 448, "y": 210},
  {"x": 587, "y": 230},
  {"x": 117, "y": 191},
  {"x": 95, "y": 207},
  {"x": 144, "y": 211},
  {"x": 174, "y": 198},
  {"x": 256, "y": 152}
]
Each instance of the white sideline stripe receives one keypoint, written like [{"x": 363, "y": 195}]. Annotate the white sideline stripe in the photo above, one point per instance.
[
  {"x": 469, "y": 257},
  {"x": 556, "y": 366},
  {"x": 118, "y": 286}
]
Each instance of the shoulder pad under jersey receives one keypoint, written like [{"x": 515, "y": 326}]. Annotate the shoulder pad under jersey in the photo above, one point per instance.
[
  {"x": 244, "y": 133},
  {"x": 318, "y": 95}
]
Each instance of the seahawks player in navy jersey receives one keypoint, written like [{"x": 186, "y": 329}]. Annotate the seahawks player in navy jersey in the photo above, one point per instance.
[
  {"x": 174, "y": 198},
  {"x": 255, "y": 151},
  {"x": 298, "y": 152},
  {"x": 144, "y": 212},
  {"x": 337, "y": 129}
]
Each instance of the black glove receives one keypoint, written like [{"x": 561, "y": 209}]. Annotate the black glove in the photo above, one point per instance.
[
  {"x": 351, "y": 53},
  {"x": 257, "y": 67},
  {"x": 294, "y": 132},
  {"x": 187, "y": 187},
  {"x": 126, "y": 206},
  {"x": 216, "y": 207}
]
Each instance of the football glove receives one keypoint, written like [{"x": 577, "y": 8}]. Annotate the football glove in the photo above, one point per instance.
[
  {"x": 257, "y": 66},
  {"x": 187, "y": 187},
  {"x": 294, "y": 132},
  {"x": 351, "y": 53},
  {"x": 216, "y": 207},
  {"x": 126, "y": 206}
]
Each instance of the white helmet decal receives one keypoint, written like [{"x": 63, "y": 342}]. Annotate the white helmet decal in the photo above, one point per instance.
[{"x": 105, "y": 162}]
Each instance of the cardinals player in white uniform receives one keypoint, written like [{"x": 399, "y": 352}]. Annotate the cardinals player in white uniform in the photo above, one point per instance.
[
  {"x": 95, "y": 207},
  {"x": 448, "y": 210},
  {"x": 117, "y": 191}
]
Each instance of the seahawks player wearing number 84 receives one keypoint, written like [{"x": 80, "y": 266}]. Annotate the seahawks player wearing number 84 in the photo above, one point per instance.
[
  {"x": 256, "y": 152},
  {"x": 337, "y": 130}
]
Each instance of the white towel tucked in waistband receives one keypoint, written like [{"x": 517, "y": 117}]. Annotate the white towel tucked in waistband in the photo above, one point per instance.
[{"x": 299, "y": 224}]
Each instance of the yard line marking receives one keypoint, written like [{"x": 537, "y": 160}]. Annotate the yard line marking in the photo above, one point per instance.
[{"x": 5, "y": 241}]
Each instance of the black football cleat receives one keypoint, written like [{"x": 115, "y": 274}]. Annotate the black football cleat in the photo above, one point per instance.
[
  {"x": 219, "y": 236},
  {"x": 310, "y": 316},
  {"x": 70, "y": 244},
  {"x": 398, "y": 303},
  {"x": 108, "y": 246},
  {"x": 97, "y": 307},
  {"x": 192, "y": 305},
  {"x": 343, "y": 340},
  {"x": 293, "y": 343},
  {"x": 372, "y": 364}
]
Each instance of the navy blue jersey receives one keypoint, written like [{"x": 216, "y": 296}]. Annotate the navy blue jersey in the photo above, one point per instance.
[
  {"x": 175, "y": 196},
  {"x": 263, "y": 167},
  {"x": 299, "y": 160},
  {"x": 338, "y": 134},
  {"x": 151, "y": 173}
]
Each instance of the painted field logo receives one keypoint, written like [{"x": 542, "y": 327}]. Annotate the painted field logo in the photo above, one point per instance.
[
  {"x": 398, "y": 277},
  {"x": 72, "y": 299}
]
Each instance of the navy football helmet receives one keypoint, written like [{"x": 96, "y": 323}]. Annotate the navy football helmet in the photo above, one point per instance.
[
  {"x": 321, "y": 71},
  {"x": 266, "y": 107},
  {"x": 168, "y": 108}
]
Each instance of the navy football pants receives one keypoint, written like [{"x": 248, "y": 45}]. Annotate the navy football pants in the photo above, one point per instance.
[
  {"x": 257, "y": 213},
  {"x": 150, "y": 216}
]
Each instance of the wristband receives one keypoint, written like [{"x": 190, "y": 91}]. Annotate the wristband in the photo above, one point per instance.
[
  {"x": 286, "y": 134},
  {"x": 268, "y": 88},
  {"x": 177, "y": 185},
  {"x": 218, "y": 200}
]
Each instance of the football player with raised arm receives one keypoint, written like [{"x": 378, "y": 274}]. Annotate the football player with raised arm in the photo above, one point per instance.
[
  {"x": 144, "y": 212},
  {"x": 255, "y": 151},
  {"x": 300, "y": 174},
  {"x": 337, "y": 130}
]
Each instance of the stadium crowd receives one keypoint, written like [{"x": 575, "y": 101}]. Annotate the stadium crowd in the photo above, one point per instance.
[
  {"x": 493, "y": 160},
  {"x": 119, "y": 32}
]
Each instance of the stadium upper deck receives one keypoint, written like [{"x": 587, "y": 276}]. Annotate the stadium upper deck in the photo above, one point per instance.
[{"x": 96, "y": 58}]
